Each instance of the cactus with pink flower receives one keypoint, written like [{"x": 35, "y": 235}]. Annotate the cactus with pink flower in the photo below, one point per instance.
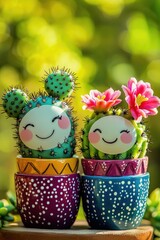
[{"x": 116, "y": 133}]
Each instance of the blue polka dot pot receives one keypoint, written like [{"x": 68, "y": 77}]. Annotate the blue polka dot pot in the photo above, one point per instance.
[
  {"x": 115, "y": 202},
  {"x": 48, "y": 201}
]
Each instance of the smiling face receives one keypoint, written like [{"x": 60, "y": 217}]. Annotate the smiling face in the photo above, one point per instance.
[
  {"x": 112, "y": 135},
  {"x": 44, "y": 127}
]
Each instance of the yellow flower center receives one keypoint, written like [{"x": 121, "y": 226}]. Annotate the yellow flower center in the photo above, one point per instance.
[
  {"x": 101, "y": 97},
  {"x": 140, "y": 98}
]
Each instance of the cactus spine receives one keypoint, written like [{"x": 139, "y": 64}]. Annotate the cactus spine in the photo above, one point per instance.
[
  {"x": 137, "y": 151},
  {"x": 113, "y": 133},
  {"x": 59, "y": 85}
]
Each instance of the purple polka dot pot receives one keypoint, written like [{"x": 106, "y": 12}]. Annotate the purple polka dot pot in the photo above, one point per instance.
[
  {"x": 48, "y": 201},
  {"x": 115, "y": 202}
]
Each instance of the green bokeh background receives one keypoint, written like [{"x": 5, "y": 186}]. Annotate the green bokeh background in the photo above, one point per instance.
[{"x": 104, "y": 41}]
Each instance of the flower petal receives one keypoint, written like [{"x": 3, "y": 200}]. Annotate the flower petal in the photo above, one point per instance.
[
  {"x": 153, "y": 102},
  {"x": 140, "y": 99},
  {"x": 153, "y": 111},
  {"x": 148, "y": 93},
  {"x": 141, "y": 87},
  {"x": 101, "y": 101},
  {"x": 95, "y": 93},
  {"x": 117, "y": 101},
  {"x": 116, "y": 94},
  {"x": 126, "y": 90},
  {"x": 134, "y": 113},
  {"x": 132, "y": 83},
  {"x": 108, "y": 93}
]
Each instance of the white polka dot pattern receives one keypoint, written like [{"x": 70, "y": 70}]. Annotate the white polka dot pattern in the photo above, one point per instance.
[
  {"x": 48, "y": 202},
  {"x": 115, "y": 202}
]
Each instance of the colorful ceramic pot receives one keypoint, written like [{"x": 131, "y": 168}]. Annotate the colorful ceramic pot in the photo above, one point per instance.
[
  {"x": 115, "y": 168},
  {"x": 48, "y": 201},
  {"x": 114, "y": 202},
  {"x": 62, "y": 166}
]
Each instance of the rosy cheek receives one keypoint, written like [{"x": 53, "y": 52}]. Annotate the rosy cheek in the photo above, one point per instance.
[
  {"x": 94, "y": 137},
  {"x": 26, "y": 135},
  {"x": 126, "y": 138},
  {"x": 64, "y": 122}
]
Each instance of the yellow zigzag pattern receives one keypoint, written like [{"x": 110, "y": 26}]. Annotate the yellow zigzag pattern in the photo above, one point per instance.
[{"x": 50, "y": 169}]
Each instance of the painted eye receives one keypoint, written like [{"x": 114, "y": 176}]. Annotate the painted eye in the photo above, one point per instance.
[
  {"x": 97, "y": 130},
  {"x": 57, "y": 117},
  {"x": 29, "y": 124},
  {"x": 126, "y": 131}
]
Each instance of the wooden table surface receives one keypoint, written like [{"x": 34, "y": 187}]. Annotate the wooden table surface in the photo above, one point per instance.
[{"x": 80, "y": 231}]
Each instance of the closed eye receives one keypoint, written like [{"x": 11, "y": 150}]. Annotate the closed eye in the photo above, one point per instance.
[
  {"x": 97, "y": 130},
  {"x": 57, "y": 117},
  {"x": 126, "y": 131},
  {"x": 29, "y": 124}
]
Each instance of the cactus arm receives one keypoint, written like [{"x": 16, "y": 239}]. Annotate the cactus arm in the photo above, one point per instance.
[
  {"x": 60, "y": 83},
  {"x": 14, "y": 101}
]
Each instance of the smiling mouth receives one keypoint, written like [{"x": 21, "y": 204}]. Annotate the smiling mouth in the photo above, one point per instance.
[
  {"x": 46, "y": 137},
  {"x": 110, "y": 142}
]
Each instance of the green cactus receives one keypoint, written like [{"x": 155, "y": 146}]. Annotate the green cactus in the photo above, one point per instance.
[
  {"x": 5, "y": 212},
  {"x": 60, "y": 83},
  {"x": 14, "y": 100},
  {"x": 152, "y": 212},
  {"x": 45, "y": 127},
  {"x": 138, "y": 150},
  {"x": 113, "y": 133}
]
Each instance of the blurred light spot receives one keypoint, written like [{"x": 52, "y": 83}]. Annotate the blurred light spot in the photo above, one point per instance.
[
  {"x": 4, "y": 34},
  {"x": 61, "y": 10},
  {"x": 112, "y": 7},
  {"x": 94, "y": 2},
  {"x": 8, "y": 76},
  {"x": 25, "y": 47},
  {"x": 50, "y": 37},
  {"x": 122, "y": 72},
  {"x": 14, "y": 10},
  {"x": 80, "y": 31},
  {"x": 69, "y": 59},
  {"x": 88, "y": 75},
  {"x": 97, "y": 2},
  {"x": 33, "y": 26},
  {"x": 34, "y": 63},
  {"x": 109, "y": 7},
  {"x": 129, "y": 1},
  {"x": 153, "y": 71},
  {"x": 6, "y": 146},
  {"x": 33, "y": 84},
  {"x": 140, "y": 37},
  {"x": 35, "y": 35}
]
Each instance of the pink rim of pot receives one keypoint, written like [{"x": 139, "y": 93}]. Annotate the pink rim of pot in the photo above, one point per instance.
[{"x": 115, "y": 168}]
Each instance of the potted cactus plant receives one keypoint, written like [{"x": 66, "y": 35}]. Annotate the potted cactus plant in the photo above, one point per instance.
[
  {"x": 45, "y": 133},
  {"x": 114, "y": 146}
]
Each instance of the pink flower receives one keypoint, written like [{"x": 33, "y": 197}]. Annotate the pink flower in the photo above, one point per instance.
[
  {"x": 100, "y": 102},
  {"x": 140, "y": 99}
]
